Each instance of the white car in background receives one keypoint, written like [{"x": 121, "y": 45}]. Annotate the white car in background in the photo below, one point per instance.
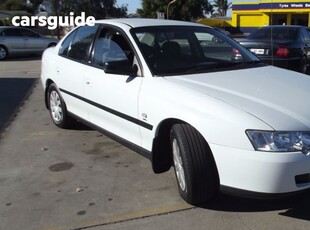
[{"x": 211, "y": 110}]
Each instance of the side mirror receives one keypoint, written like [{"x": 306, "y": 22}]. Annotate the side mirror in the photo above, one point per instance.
[{"x": 122, "y": 67}]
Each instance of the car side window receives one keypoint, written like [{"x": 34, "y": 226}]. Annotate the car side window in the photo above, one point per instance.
[
  {"x": 28, "y": 33},
  {"x": 81, "y": 44},
  {"x": 214, "y": 48},
  {"x": 111, "y": 46},
  {"x": 65, "y": 46},
  {"x": 306, "y": 35},
  {"x": 12, "y": 33}
]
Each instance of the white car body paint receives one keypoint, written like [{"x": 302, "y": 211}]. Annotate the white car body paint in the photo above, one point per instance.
[{"x": 220, "y": 105}]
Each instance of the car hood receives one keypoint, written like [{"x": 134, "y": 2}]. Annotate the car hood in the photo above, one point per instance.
[{"x": 276, "y": 96}]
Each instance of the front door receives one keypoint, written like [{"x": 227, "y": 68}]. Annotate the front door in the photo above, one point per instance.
[{"x": 113, "y": 98}]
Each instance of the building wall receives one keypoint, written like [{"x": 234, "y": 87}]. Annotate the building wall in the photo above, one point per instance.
[{"x": 247, "y": 16}]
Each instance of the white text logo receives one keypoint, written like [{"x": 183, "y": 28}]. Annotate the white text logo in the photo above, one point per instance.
[{"x": 52, "y": 21}]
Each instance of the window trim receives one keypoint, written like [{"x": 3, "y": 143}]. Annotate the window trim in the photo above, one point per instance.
[
  {"x": 100, "y": 26},
  {"x": 129, "y": 41},
  {"x": 75, "y": 31}
]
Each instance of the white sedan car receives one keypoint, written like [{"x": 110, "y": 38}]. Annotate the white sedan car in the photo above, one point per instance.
[{"x": 209, "y": 108}]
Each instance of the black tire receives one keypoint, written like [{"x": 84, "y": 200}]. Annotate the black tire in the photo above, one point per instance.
[
  {"x": 303, "y": 65},
  {"x": 58, "y": 109},
  {"x": 3, "y": 52},
  {"x": 200, "y": 181}
]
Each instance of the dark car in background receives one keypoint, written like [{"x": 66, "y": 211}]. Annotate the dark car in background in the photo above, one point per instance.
[
  {"x": 284, "y": 46},
  {"x": 22, "y": 41}
]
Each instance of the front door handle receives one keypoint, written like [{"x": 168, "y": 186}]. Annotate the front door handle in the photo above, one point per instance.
[{"x": 87, "y": 81}]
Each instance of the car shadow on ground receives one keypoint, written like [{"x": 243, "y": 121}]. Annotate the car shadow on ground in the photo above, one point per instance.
[
  {"x": 296, "y": 206},
  {"x": 23, "y": 58},
  {"x": 80, "y": 126},
  {"x": 13, "y": 92}
]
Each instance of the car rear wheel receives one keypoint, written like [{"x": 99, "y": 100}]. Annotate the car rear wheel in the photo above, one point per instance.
[
  {"x": 57, "y": 108},
  {"x": 3, "y": 52},
  {"x": 194, "y": 165}
]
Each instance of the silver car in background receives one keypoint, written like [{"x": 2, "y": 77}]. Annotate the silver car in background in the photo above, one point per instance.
[{"x": 22, "y": 41}]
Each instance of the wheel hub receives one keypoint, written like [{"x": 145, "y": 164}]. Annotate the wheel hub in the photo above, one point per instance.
[
  {"x": 178, "y": 165},
  {"x": 55, "y": 106}
]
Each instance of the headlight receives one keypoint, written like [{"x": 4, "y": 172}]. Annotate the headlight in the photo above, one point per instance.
[{"x": 279, "y": 141}]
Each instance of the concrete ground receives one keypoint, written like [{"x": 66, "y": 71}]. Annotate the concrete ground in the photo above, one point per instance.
[{"x": 54, "y": 179}]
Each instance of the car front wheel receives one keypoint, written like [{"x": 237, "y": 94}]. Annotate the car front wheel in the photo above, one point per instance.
[
  {"x": 57, "y": 108},
  {"x": 194, "y": 165}
]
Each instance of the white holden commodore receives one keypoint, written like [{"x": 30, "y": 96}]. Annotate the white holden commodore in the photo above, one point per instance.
[{"x": 185, "y": 95}]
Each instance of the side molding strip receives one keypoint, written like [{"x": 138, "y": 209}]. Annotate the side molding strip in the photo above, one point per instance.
[{"x": 112, "y": 111}]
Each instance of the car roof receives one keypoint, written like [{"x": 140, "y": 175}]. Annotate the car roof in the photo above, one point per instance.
[{"x": 142, "y": 22}]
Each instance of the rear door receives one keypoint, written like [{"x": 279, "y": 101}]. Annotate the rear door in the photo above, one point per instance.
[
  {"x": 71, "y": 65},
  {"x": 33, "y": 41}
]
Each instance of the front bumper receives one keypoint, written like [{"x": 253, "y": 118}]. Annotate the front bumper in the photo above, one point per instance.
[{"x": 262, "y": 172}]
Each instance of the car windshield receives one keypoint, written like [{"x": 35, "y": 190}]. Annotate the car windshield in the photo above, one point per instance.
[
  {"x": 172, "y": 50},
  {"x": 275, "y": 33}
]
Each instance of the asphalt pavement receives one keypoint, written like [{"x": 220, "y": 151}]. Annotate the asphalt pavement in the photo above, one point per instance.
[{"x": 55, "y": 179}]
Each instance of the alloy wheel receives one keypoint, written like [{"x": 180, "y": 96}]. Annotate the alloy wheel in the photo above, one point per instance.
[
  {"x": 178, "y": 165},
  {"x": 56, "y": 107}
]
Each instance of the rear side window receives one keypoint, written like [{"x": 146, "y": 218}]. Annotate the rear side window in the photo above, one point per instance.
[
  {"x": 12, "y": 33},
  {"x": 29, "y": 33},
  {"x": 81, "y": 44},
  {"x": 77, "y": 44},
  {"x": 305, "y": 35},
  {"x": 65, "y": 46}
]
